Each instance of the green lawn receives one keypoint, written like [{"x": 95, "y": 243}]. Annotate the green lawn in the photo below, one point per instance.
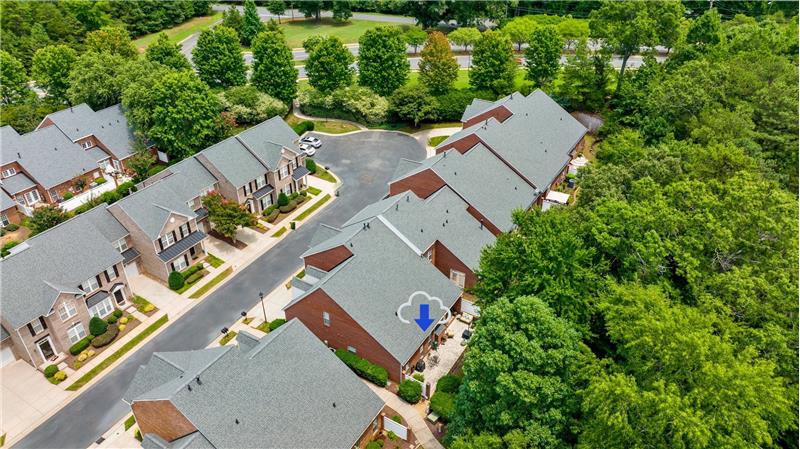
[
  {"x": 349, "y": 32},
  {"x": 130, "y": 422},
  {"x": 324, "y": 175},
  {"x": 280, "y": 232},
  {"x": 227, "y": 338},
  {"x": 182, "y": 31},
  {"x": 325, "y": 126},
  {"x": 313, "y": 207},
  {"x": 217, "y": 279},
  {"x": 433, "y": 141},
  {"x": 313, "y": 191},
  {"x": 86, "y": 378},
  {"x": 214, "y": 261}
]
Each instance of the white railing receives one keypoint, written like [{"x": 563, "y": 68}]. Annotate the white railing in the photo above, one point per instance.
[
  {"x": 391, "y": 425},
  {"x": 90, "y": 194}
]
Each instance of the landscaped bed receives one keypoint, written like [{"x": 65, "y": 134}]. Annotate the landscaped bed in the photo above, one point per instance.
[
  {"x": 117, "y": 325},
  {"x": 143, "y": 306}
]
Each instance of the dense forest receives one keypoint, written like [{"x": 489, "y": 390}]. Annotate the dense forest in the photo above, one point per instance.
[{"x": 661, "y": 309}]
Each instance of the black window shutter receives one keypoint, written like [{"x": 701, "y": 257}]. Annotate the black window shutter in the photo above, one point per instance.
[
  {"x": 160, "y": 244},
  {"x": 108, "y": 279},
  {"x": 30, "y": 328},
  {"x": 174, "y": 236},
  {"x": 116, "y": 272},
  {"x": 98, "y": 280},
  {"x": 44, "y": 325}
]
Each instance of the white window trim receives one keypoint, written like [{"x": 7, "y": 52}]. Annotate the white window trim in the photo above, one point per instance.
[
  {"x": 4, "y": 221},
  {"x": 27, "y": 195},
  {"x": 456, "y": 275},
  {"x": 165, "y": 240},
  {"x": 67, "y": 311},
  {"x": 122, "y": 245},
  {"x": 284, "y": 172},
  {"x": 88, "y": 283},
  {"x": 39, "y": 348},
  {"x": 37, "y": 327},
  {"x": 11, "y": 171},
  {"x": 110, "y": 273},
  {"x": 183, "y": 260},
  {"x": 352, "y": 349},
  {"x": 326, "y": 319},
  {"x": 78, "y": 335},
  {"x": 260, "y": 182},
  {"x": 107, "y": 305}
]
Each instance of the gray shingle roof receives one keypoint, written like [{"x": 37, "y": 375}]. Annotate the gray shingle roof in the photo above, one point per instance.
[
  {"x": 194, "y": 440},
  {"x": 441, "y": 217},
  {"x": 268, "y": 138},
  {"x": 476, "y": 107},
  {"x": 151, "y": 206},
  {"x": 382, "y": 274},
  {"x": 97, "y": 154},
  {"x": 105, "y": 223},
  {"x": 17, "y": 183},
  {"x": 282, "y": 392},
  {"x": 234, "y": 161},
  {"x": 33, "y": 278},
  {"x": 483, "y": 181},
  {"x": 109, "y": 125},
  {"x": 6, "y": 202},
  {"x": 48, "y": 155},
  {"x": 536, "y": 139}
]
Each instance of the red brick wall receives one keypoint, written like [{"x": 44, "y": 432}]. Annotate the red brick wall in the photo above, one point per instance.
[
  {"x": 501, "y": 113},
  {"x": 444, "y": 261},
  {"x": 13, "y": 215},
  {"x": 423, "y": 184},
  {"x": 343, "y": 330},
  {"x": 329, "y": 259}
]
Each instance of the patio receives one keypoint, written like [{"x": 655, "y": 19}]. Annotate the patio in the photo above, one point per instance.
[
  {"x": 91, "y": 193},
  {"x": 439, "y": 361}
]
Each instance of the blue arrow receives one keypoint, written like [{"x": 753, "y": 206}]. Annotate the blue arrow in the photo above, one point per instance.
[{"x": 424, "y": 321}]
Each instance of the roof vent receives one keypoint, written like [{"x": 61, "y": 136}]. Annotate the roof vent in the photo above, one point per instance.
[
  {"x": 19, "y": 156},
  {"x": 76, "y": 129},
  {"x": 101, "y": 126},
  {"x": 407, "y": 199},
  {"x": 198, "y": 380},
  {"x": 367, "y": 225},
  {"x": 236, "y": 420},
  {"x": 396, "y": 207},
  {"x": 481, "y": 223},
  {"x": 334, "y": 405},
  {"x": 351, "y": 244},
  {"x": 515, "y": 187},
  {"x": 189, "y": 387},
  {"x": 442, "y": 224},
  {"x": 421, "y": 230}
]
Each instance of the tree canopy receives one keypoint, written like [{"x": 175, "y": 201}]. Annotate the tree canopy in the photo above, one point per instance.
[
  {"x": 438, "y": 69},
  {"x": 328, "y": 64},
  {"x": 166, "y": 53},
  {"x": 382, "y": 63},
  {"x": 493, "y": 64},
  {"x": 273, "y": 68},
  {"x": 51, "y": 67}
]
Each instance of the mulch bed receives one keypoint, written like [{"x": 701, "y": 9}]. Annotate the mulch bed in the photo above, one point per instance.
[
  {"x": 238, "y": 244},
  {"x": 129, "y": 327}
]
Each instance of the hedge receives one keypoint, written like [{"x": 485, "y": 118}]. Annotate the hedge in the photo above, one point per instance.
[
  {"x": 175, "y": 280},
  {"x": 305, "y": 125},
  {"x": 448, "y": 384},
  {"x": 272, "y": 216},
  {"x": 78, "y": 347},
  {"x": 410, "y": 391},
  {"x": 443, "y": 404},
  {"x": 276, "y": 324},
  {"x": 50, "y": 371},
  {"x": 289, "y": 207},
  {"x": 97, "y": 326},
  {"x": 311, "y": 165},
  {"x": 194, "y": 277},
  {"x": 106, "y": 338},
  {"x": 111, "y": 319},
  {"x": 373, "y": 373},
  {"x": 118, "y": 313},
  {"x": 191, "y": 270}
]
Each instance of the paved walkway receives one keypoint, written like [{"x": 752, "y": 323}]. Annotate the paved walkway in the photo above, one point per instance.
[
  {"x": 410, "y": 414},
  {"x": 425, "y": 135}
]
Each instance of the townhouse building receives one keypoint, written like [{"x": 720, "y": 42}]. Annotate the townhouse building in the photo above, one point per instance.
[
  {"x": 9, "y": 210},
  {"x": 68, "y": 153},
  {"x": 283, "y": 390},
  {"x": 258, "y": 164},
  {"x": 55, "y": 282}
]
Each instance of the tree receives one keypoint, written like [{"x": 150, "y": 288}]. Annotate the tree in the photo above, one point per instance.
[
  {"x": 112, "y": 40},
  {"x": 176, "y": 111},
  {"x": 466, "y": 37},
  {"x": 311, "y": 42},
  {"x": 96, "y": 79},
  {"x": 493, "y": 65},
  {"x": 519, "y": 30},
  {"x": 585, "y": 79},
  {"x": 328, "y": 65},
  {"x": 227, "y": 216},
  {"x": 277, "y": 7},
  {"x": 51, "y": 68},
  {"x": 428, "y": 14},
  {"x": 573, "y": 30},
  {"x": 45, "y": 217},
  {"x": 543, "y": 55},
  {"x": 413, "y": 104},
  {"x": 251, "y": 23},
  {"x": 438, "y": 69},
  {"x": 273, "y": 67},
  {"x": 13, "y": 80},
  {"x": 520, "y": 374},
  {"x": 415, "y": 37},
  {"x": 382, "y": 63},
  {"x": 341, "y": 11},
  {"x": 166, "y": 53},
  {"x": 141, "y": 161},
  {"x": 232, "y": 19},
  {"x": 218, "y": 58},
  {"x": 705, "y": 30},
  {"x": 627, "y": 26},
  {"x": 310, "y": 8}
]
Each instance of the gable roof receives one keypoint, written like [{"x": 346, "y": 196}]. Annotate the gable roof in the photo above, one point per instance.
[
  {"x": 48, "y": 155},
  {"x": 6, "y": 202},
  {"x": 503, "y": 192},
  {"x": 151, "y": 206},
  {"x": 380, "y": 276},
  {"x": 33, "y": 277},
  {"x": 109, "y": 125},
  {"x": 476, "y": 107},
  {"x": 268, "y": 139},
  {"x": 441, "y": 217},
  {"x": 288, "y": 390},
  {"x": 234, "y": 161},
  {"x": 536, "y": 139}
]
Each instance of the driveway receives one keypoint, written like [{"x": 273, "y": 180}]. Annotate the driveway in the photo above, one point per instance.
[
  {"x": 364, "y": 161},
  {"x": 26, "y": 396}
]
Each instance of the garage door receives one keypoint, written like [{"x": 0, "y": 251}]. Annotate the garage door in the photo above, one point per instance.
[
  {"x": 6, "y": 356},
  {"x": 132, "y": 270}
]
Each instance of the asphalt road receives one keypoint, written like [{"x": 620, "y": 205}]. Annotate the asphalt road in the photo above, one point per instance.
[{"x": 364, "y": 161}]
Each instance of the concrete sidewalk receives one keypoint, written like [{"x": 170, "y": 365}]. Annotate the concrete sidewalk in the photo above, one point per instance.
[
  {"x": 410, "y": 414},
  {"x": 424, "y": 135}
]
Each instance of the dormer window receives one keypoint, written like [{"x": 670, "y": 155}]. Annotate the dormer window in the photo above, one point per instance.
[
  {"x": 9, "y": 172},
  {"x": 87, "y": 144}
]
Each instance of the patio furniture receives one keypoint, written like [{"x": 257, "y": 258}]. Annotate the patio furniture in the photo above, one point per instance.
[
  {"x": 465, "y": 318},
  {"x": 432, "y": 417}
]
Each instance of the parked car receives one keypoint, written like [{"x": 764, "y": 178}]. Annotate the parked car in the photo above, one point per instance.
[
  {"x": 307, "y": 149},
  {"x": 313, "y": 141}
]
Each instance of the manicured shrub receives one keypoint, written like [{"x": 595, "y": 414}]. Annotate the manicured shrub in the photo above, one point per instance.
[
  {"x": 6, "y": 249},
  {"x": 100, "y": 180},
  {"x": 303, "y": 127},
  {"x": 397, "y": 419},
  {"x": 50, "y": 371},
  {"x": 59, "y": 376},
  {"x": 374, "y": 445},
  {"x": 126, "y": 188},
  {"x": 80, "y": 345},
  {"x": 448, "y": 384},
  {"x": 311, "y": 165},
  {"x": 106, "y": 338},
  {"x": 67, "y": 196},
  {"x": 283, "y": 200},
  {"x": 391, "y": 435},
  {"x": 276, "y": 324},
  {"x": 419, "y": 376},
  {"x": 138, "y": 435},
  {"x": 292, "y": 205},
  {"x": 97, "y": 326},
  {"x": 191, "y": 270},
  {"x": 195, "y": 277},
  {"x": 175, "y": 280},
  {"x": 272, "y": 216},
  {"x": 443, "y": 404},
  {"x": 300, "y": 199},
  {"x": 121, "y": 327},
  {"x": 83, "y": 356},
  {"x": 123, "y": 320},
  {"x": 12, "y": 227},
  {"x": 148, "y": 308},
  {"x": 373, "y": 373},
  {"x": 410, "y": 391},
  {"x": 118, "y": 313},
  {"x": 111, "y": 319}
]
